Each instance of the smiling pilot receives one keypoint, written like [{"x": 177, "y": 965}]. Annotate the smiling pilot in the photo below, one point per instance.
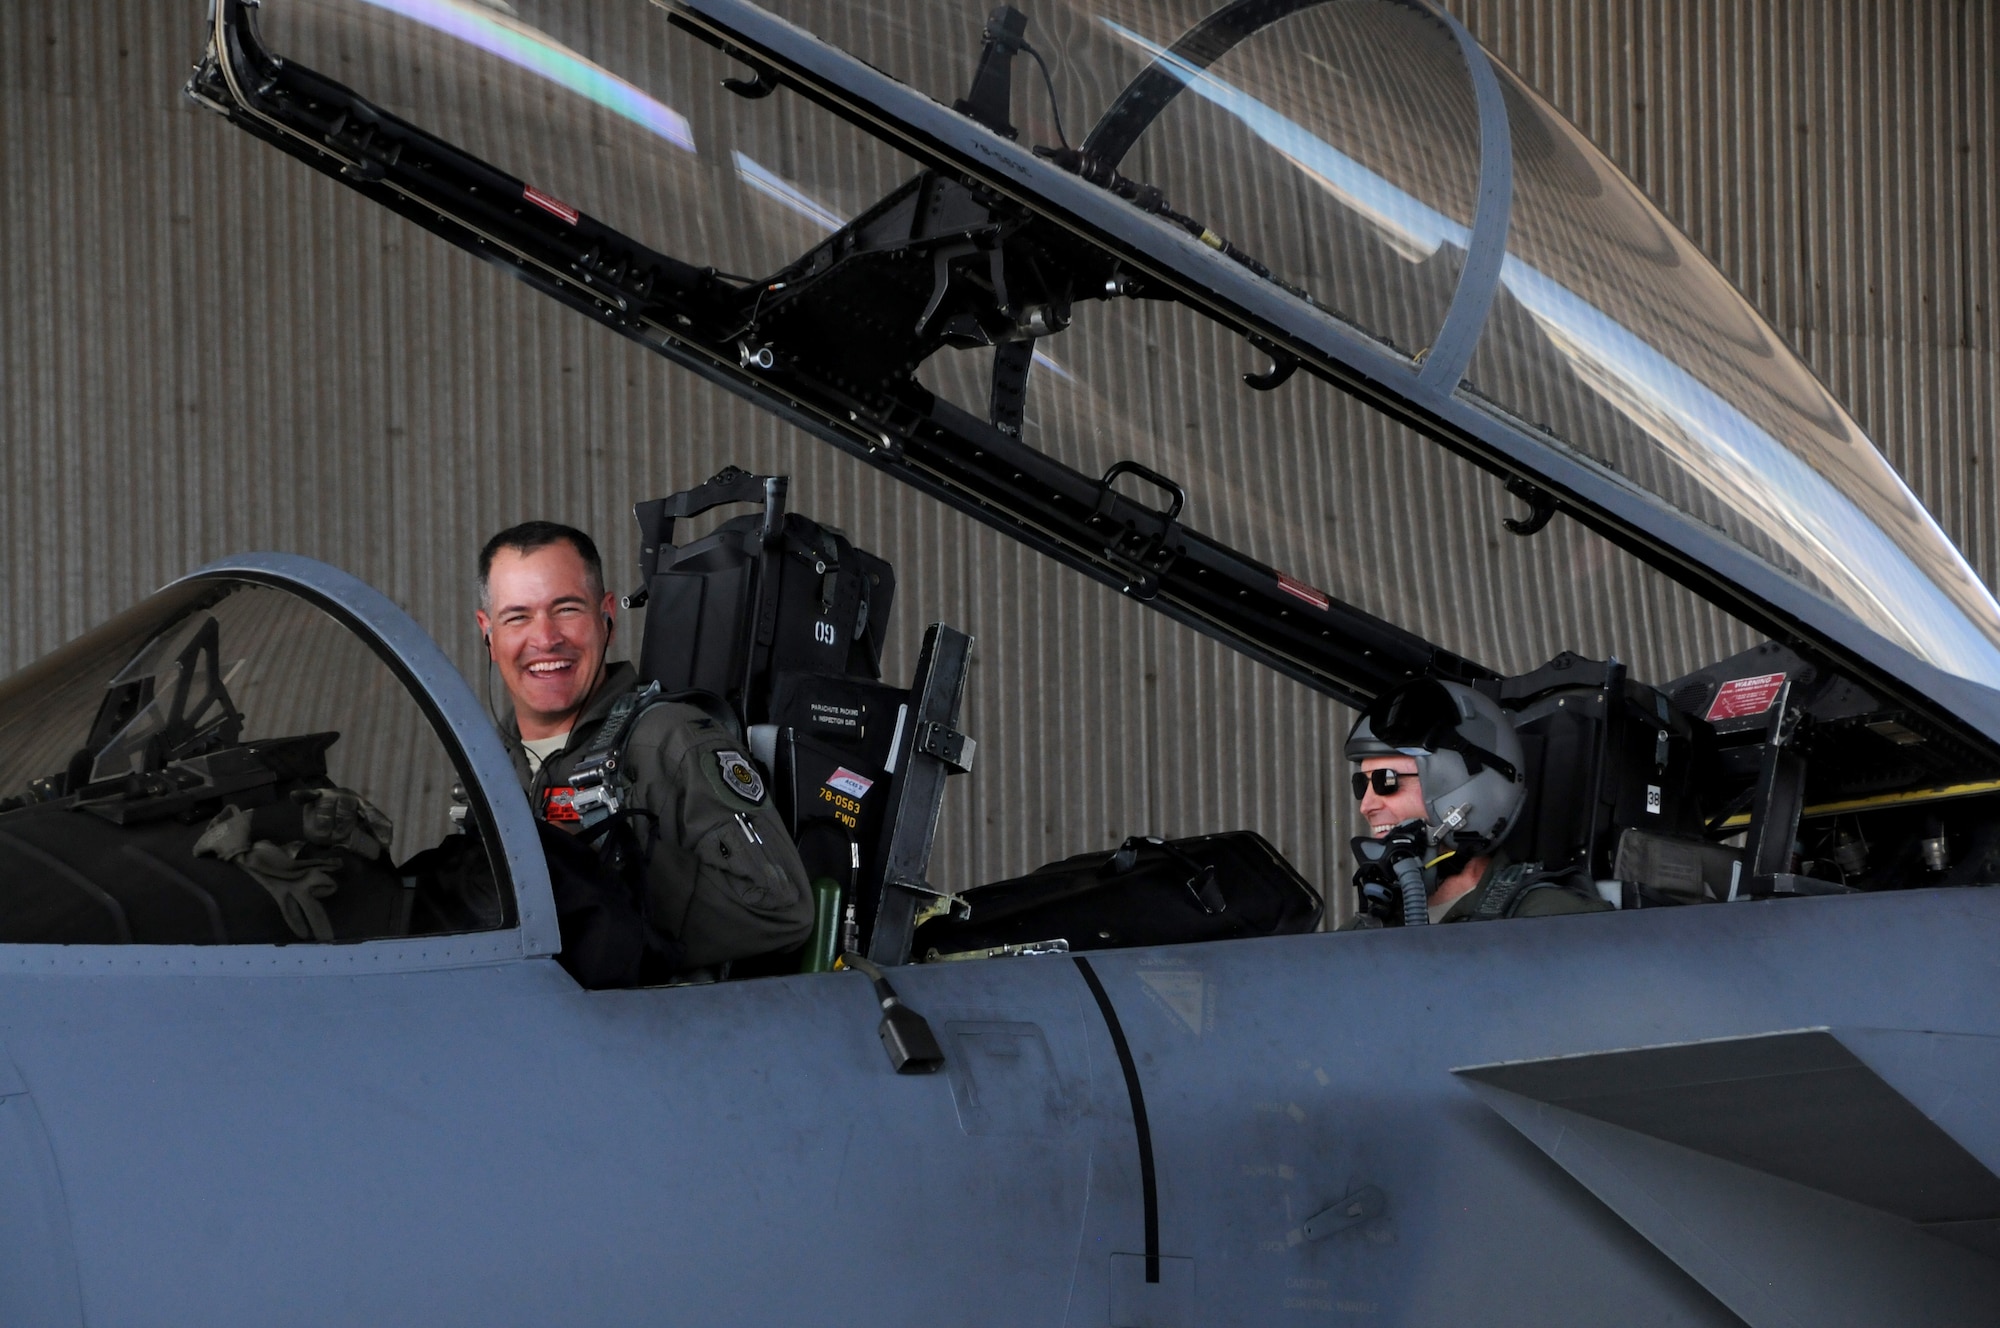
[
  {"x": 1440, "y": 764},
  {"x": 658, "y": 793}
]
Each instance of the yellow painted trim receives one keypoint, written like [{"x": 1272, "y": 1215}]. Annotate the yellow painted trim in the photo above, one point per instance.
[{"x": 1883, "y": 800}]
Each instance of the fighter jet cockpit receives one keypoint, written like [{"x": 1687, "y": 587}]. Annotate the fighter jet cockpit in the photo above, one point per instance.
[
  {"x": 227, "y": 763},
  {"x": 1042, "y": 431},
  {"x": 1298, "y": 328}
]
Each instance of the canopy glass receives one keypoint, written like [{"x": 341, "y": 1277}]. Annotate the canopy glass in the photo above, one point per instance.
[
  {"x": 1609, "y": 331},
  {"x": 1352, "y": 151},
  {"x": 227, "y": 763}
]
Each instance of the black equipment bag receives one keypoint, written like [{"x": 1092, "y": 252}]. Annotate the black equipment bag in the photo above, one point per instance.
[
  {"x": 755, "y": 599},
  {"x": 785, "y": 620},
  {"x": 1147, "y": 891}
]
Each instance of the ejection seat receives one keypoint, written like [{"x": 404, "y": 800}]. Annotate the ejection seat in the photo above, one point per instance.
[{"x": 785, "y": 621}]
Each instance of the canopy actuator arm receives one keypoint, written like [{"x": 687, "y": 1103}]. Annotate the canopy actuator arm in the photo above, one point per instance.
[
  {"x": 1777, "y": 799},
  {"x": 931, "y": 750}
]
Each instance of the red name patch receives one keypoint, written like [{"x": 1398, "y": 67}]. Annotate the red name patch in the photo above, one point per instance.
[
  {"x": 1745, "y": 696},
  {"x": 557, "y": 806}
]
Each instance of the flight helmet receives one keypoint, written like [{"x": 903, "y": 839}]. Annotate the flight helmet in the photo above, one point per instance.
[{"x": 1468, "y": 758}]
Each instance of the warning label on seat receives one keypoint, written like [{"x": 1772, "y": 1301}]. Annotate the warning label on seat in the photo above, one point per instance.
[{"x": 1745, "y": 696}]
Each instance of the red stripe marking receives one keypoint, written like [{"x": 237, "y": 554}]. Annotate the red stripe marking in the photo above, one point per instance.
[
  {"x": 1297, "y": 589},
  {"x": 550, "y": 203}
]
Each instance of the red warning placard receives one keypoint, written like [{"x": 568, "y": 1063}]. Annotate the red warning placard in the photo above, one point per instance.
[{"x": 1745, "y": 696}]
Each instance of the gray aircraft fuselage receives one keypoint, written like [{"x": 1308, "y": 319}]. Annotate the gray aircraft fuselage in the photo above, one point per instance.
[
  {"x": 1776, "y": 1110},
  {"x": 486, "y": 1143}
]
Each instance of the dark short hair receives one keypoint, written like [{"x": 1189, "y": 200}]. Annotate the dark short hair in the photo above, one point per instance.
[{"x": 531, "y": 535}]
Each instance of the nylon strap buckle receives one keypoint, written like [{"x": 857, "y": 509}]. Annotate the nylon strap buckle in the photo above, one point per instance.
[{"x": 598, "y": 778}]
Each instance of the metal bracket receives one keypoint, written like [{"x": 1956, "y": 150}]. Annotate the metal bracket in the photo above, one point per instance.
[
  {"x": 1777, "y": 800},
  {"x": 947, "y": 744},
  {"x": 1007, "y": 404},
  {"x": 1283, "y": 365},
  {"x": 1541, "y": 507},
  {"x": 760, "y": 84},
  {"x": 892, "y": 899},
  {"x": 989, "y": 100},
  {"x": 1028, "y": 949},
  {"x": 937, "y": 903},
  {"x": 1141, "y": 554}
]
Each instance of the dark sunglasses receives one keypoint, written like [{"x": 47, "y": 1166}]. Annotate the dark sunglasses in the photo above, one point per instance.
[{"x": 1386, "y": 781}]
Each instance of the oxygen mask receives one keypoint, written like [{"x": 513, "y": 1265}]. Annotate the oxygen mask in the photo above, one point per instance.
[{"x": 1396, "y": 873}]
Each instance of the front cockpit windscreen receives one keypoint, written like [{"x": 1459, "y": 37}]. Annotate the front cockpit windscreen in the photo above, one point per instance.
[{"x": 228, "y": 764}]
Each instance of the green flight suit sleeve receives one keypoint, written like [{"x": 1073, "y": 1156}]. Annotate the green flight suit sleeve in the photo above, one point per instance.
[
  {"x": 724, "y": 877},
  {"x": 1550, "y": 902}
]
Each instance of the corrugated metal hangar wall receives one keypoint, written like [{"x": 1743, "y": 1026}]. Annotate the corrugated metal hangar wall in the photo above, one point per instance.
[{"x": 207, "y": 347}]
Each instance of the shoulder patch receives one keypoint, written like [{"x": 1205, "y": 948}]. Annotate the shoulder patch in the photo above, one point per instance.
[{"x": 740, "y": 777}]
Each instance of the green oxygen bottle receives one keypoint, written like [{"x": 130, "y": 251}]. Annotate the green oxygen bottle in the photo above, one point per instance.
[{"x": 825, "y": 942}]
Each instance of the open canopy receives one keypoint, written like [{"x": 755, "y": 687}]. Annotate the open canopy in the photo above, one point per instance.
[{"x": 1005, "y": 255}]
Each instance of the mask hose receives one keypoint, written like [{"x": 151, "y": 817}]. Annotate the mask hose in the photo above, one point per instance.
[
  {"x": 1410, "y": 879},
  {"x": 1406, "y": 859}
]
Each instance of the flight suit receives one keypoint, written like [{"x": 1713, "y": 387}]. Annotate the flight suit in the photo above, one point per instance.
[
  {"x": 1541, "y": 898},
  {"x": 1529, "y": 894},
  {"x": 722, "y": 877}
]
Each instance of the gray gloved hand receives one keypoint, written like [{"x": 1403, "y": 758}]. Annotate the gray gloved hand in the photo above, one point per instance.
[
  {"x": 342, "y": 818},
  {"x": 227, "y": 836},
  {"x": 294, "y": 883}
]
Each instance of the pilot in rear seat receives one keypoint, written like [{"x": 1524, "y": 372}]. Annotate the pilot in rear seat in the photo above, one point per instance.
[
  {"x": 1455, "y": 770},
  {"x": 715, "y": 876}
]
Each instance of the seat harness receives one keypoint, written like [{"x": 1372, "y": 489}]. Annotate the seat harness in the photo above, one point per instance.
[
  {"x": 598, "y": 782},
  {"x": 1511, "y": 887}
]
